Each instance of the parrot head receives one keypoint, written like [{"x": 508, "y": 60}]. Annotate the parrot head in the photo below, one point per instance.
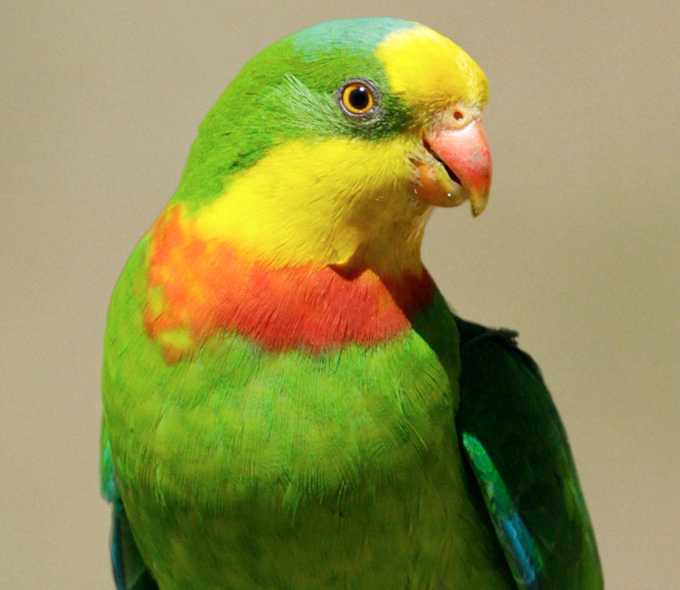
[{"x": 331, "y": 147}]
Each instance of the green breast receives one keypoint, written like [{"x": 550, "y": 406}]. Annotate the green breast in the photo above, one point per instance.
[{"x": 242, "y": 468}]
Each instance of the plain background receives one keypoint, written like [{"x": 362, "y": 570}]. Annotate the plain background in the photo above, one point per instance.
[{"x": 579, "y": 248}]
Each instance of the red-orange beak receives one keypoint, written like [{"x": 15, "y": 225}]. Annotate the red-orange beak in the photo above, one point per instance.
[{"x": 456, "y": 163}]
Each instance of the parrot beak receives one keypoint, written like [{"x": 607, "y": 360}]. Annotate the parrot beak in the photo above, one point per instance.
[{"x": 455, "y": 164}]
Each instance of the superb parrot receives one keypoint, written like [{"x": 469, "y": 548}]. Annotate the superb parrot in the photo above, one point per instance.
[{"x": 289, "y": 403}]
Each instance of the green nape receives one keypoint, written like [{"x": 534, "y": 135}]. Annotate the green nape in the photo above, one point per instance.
[
  {"x": 287, "y": 92},
  {"x": 244, "y": 468}
]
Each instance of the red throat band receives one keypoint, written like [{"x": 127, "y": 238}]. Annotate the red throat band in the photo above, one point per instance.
[{"x": 198, "y": 288}]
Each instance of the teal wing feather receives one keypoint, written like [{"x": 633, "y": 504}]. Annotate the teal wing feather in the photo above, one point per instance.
[
  {"x": 129, "y": 570},
  {"x": 518, "y": 451}
]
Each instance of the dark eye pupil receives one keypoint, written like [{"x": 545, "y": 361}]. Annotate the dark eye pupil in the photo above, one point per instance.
[{"x": 359, "y": 98}]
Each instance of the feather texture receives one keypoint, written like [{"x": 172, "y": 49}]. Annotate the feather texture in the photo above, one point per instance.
[
  {"x": 519, "y": 453},
  {"x": 287, "y": 403}
]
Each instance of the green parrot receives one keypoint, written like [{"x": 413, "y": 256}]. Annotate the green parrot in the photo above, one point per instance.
[{"x": 289, "y": 403}]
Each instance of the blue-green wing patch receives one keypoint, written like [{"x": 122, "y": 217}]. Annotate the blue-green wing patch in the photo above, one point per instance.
[{"x": 518, "y": 450}]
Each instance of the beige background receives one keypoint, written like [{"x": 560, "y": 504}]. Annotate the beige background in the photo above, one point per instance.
[{"x": 578, "y": 249}]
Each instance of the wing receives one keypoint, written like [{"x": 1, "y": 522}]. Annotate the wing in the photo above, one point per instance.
[
  {"x": 129, "y": 570},
  {"x": 518, "y": 450}
]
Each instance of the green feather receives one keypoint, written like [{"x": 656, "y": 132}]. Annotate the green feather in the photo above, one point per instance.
[
  {"x": 284, "y": 93},
  {"x": 431, "y": 460},
  {"x": 519, "y": 453},
  {"x": 357, "y": 490}
]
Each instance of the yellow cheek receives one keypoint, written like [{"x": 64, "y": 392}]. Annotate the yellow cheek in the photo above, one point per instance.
[{"x": 313, "y": 201}]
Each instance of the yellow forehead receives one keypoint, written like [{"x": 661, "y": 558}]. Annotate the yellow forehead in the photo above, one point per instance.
[{"x": 428, "y": 70}]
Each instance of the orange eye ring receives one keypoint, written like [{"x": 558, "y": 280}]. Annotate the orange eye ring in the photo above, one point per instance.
[{"x": 357, "y": 98}]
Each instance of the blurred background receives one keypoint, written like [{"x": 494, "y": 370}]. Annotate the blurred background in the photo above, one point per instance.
[{"x": 579, "y": 248}]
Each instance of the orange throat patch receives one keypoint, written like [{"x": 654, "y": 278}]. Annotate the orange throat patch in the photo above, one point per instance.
[{"x": 198, "y": 288}]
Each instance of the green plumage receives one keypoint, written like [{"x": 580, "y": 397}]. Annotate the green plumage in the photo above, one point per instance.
[
  {"x": 358, "y": 481},
  {"x": 433, "y": 459},
  {"x": 284, "y": 93},
  {"x": 518, "y": 450}
]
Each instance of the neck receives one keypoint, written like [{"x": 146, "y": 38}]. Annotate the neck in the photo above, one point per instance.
[
  {"x": 333, "y": 202},
  {"x": 199, "y": 288}
]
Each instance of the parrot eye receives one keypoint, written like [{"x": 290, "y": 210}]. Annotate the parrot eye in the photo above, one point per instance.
[{"x": 358, "y": 98}]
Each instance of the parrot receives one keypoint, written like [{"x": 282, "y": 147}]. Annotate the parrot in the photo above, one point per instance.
[{"x": 289, "y": 401}]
